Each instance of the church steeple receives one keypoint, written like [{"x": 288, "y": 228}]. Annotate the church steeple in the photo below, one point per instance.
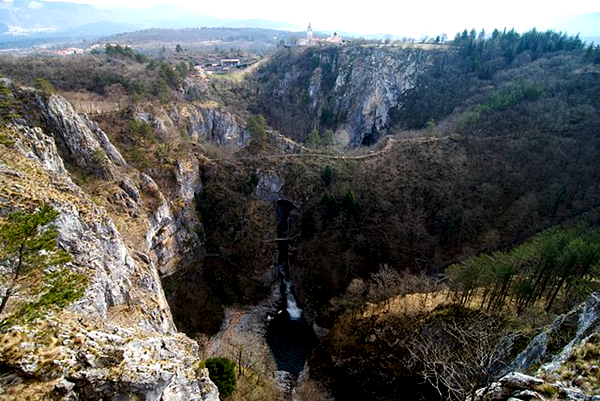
[{"x": 309, "y": 34}]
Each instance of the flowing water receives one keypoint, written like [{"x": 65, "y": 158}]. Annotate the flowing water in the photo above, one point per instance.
[{"x": 289, "y": 335}]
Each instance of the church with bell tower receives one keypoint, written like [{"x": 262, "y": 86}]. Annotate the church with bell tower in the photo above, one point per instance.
[
  {"x": 310, "y": 40},
  {"x": 309, "y": 35}
]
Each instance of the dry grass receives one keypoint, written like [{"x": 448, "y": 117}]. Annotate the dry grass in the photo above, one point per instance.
[
  {"x": 410, "y": 304},
  {"x": 582, "y": 368},
  {"x": 90, "y": 102}
]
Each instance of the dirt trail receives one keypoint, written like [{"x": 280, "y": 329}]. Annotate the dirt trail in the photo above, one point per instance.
[{"x": 386, "y": 149}]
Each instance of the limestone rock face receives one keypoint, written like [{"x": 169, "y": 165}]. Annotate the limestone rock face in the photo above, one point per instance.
[
  {"x": 367, "y": 88},
  {"x": 118, "y": 340},
  {"x": 108, "y": 363},
  {"x": 211, "y": 123},
  {"x": 167, "y": 233},
  {"x": 583, "y": 321},
  {"x": 353, "y": 90},
  {"x": 198, "y": 121},
  {"x": 82, "y": 141},
  {"x": 562, "y": 373}
]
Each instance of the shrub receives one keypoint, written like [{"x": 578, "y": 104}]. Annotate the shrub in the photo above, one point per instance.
[
  {"x": 222, "y": 373},
  {"x": 326, "y": 175},
  {"x": 44, "y": 86},
  {"x": 511, "y": 96}
]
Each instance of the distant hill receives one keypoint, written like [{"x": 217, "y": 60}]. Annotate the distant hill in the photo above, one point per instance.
[
  {"x": 43, "y": 19},
  {"x": 592, "y": 39},
  {"x": 202, "y": 39}
]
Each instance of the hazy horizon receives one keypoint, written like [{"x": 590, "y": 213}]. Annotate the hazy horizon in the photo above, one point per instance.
[{"x": 387, "y": 17}]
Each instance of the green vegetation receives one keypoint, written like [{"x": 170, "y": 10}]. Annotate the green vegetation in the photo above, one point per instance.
[
  {"x": 257, "y": 127},
  {"x": 346, "y": 206},
  {"x": 326, "y": 175},
  {"x": 125, "y": 52},
  {"x": 8, "y": 104},
  {"x": 318, "y": 139},
  {"x": 5, "y": 140},
  {"x": 430, "y": 128},
  {"x": 249, "y": 186},
  {"x": 558, "y": 261},
  {"x": 592, "y": 53},
  {"x": 44, "y": 86},
  {"x": 141, "y": 129},
  {"x": 314, "y": 139},
  {"x": 61, "y": 287},
  {"x": 222, "y": 373},
  {"x": 487, "y": 56},
  {"x": 29, "y": 251},
  {"x": 509, "y": 97},
  {"x": 119, "y": 67}
]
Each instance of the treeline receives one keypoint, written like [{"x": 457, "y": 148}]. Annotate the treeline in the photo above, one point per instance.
[
  {"x": 126, "y": 52},
  {"x": 592, "y": 53},
  {"x": 487, "y": 55},
  {"x": 557, "y": 261}
]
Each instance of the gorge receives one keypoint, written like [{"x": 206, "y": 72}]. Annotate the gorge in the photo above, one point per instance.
[{"x": 400, "y": 188}]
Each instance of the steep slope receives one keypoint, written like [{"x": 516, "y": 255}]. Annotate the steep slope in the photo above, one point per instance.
[
  {"x": 567, "y": 351},
  {"x": 118, "y": 339},
  {"x": 167, "y": 230},
  {"x": 352, "y": 90}
]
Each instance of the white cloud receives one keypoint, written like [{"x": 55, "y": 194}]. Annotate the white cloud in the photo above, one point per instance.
[{"x": 34, "y": 5}]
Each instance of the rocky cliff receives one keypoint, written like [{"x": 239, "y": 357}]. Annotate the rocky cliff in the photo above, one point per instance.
[
  {"x": 164, "y": 230},
  {"x": 352, "y": 90},
  {"x": 207, "y": 121},
  {"x": 563, "y": 357},
  {"x": 117, "y": 340}
]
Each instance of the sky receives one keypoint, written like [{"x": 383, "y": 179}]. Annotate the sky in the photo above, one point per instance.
[{"x": 415, "y": 18}]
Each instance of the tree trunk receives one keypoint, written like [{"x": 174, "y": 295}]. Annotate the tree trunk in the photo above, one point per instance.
[
  {"x": 5, "y": 299},
  {"x": 551, "y": 301}
]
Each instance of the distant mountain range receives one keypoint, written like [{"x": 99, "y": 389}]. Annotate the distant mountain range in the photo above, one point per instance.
[
  {"x": 30, "y": 19},
  {"x": 36, "y": 21}
]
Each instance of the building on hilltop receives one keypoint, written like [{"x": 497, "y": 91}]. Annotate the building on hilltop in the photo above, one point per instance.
[
  {"x": 230, "y": 62},
  {"x": 311, "y": 41},
  {"x": 335, "y": 39}
]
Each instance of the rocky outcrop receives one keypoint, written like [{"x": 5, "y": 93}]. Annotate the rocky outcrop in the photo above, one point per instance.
[
  {"x": 588, "y": 323},
  {"x": 555, "y": 343},
  {"x": 199, "y": 121},
  {"x": 369, "y": 85},
  {"x": 212, "y": 123},
  {"x": 118, "y": 340},
  {"x": 108, "y": 363},
  {"x": 83, "y": 143},
  {"x": 520, "y": 387},
  {"x": 565, "y": 354}
]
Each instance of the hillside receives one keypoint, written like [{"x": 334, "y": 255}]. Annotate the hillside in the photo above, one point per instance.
[{"x": 378, "y": 197}]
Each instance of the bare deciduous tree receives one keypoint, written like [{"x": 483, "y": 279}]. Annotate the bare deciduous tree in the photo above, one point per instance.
[{"x": 458, "y": 356}]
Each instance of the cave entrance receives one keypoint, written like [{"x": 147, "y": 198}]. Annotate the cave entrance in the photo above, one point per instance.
[{"x": 370, "y": 139}]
